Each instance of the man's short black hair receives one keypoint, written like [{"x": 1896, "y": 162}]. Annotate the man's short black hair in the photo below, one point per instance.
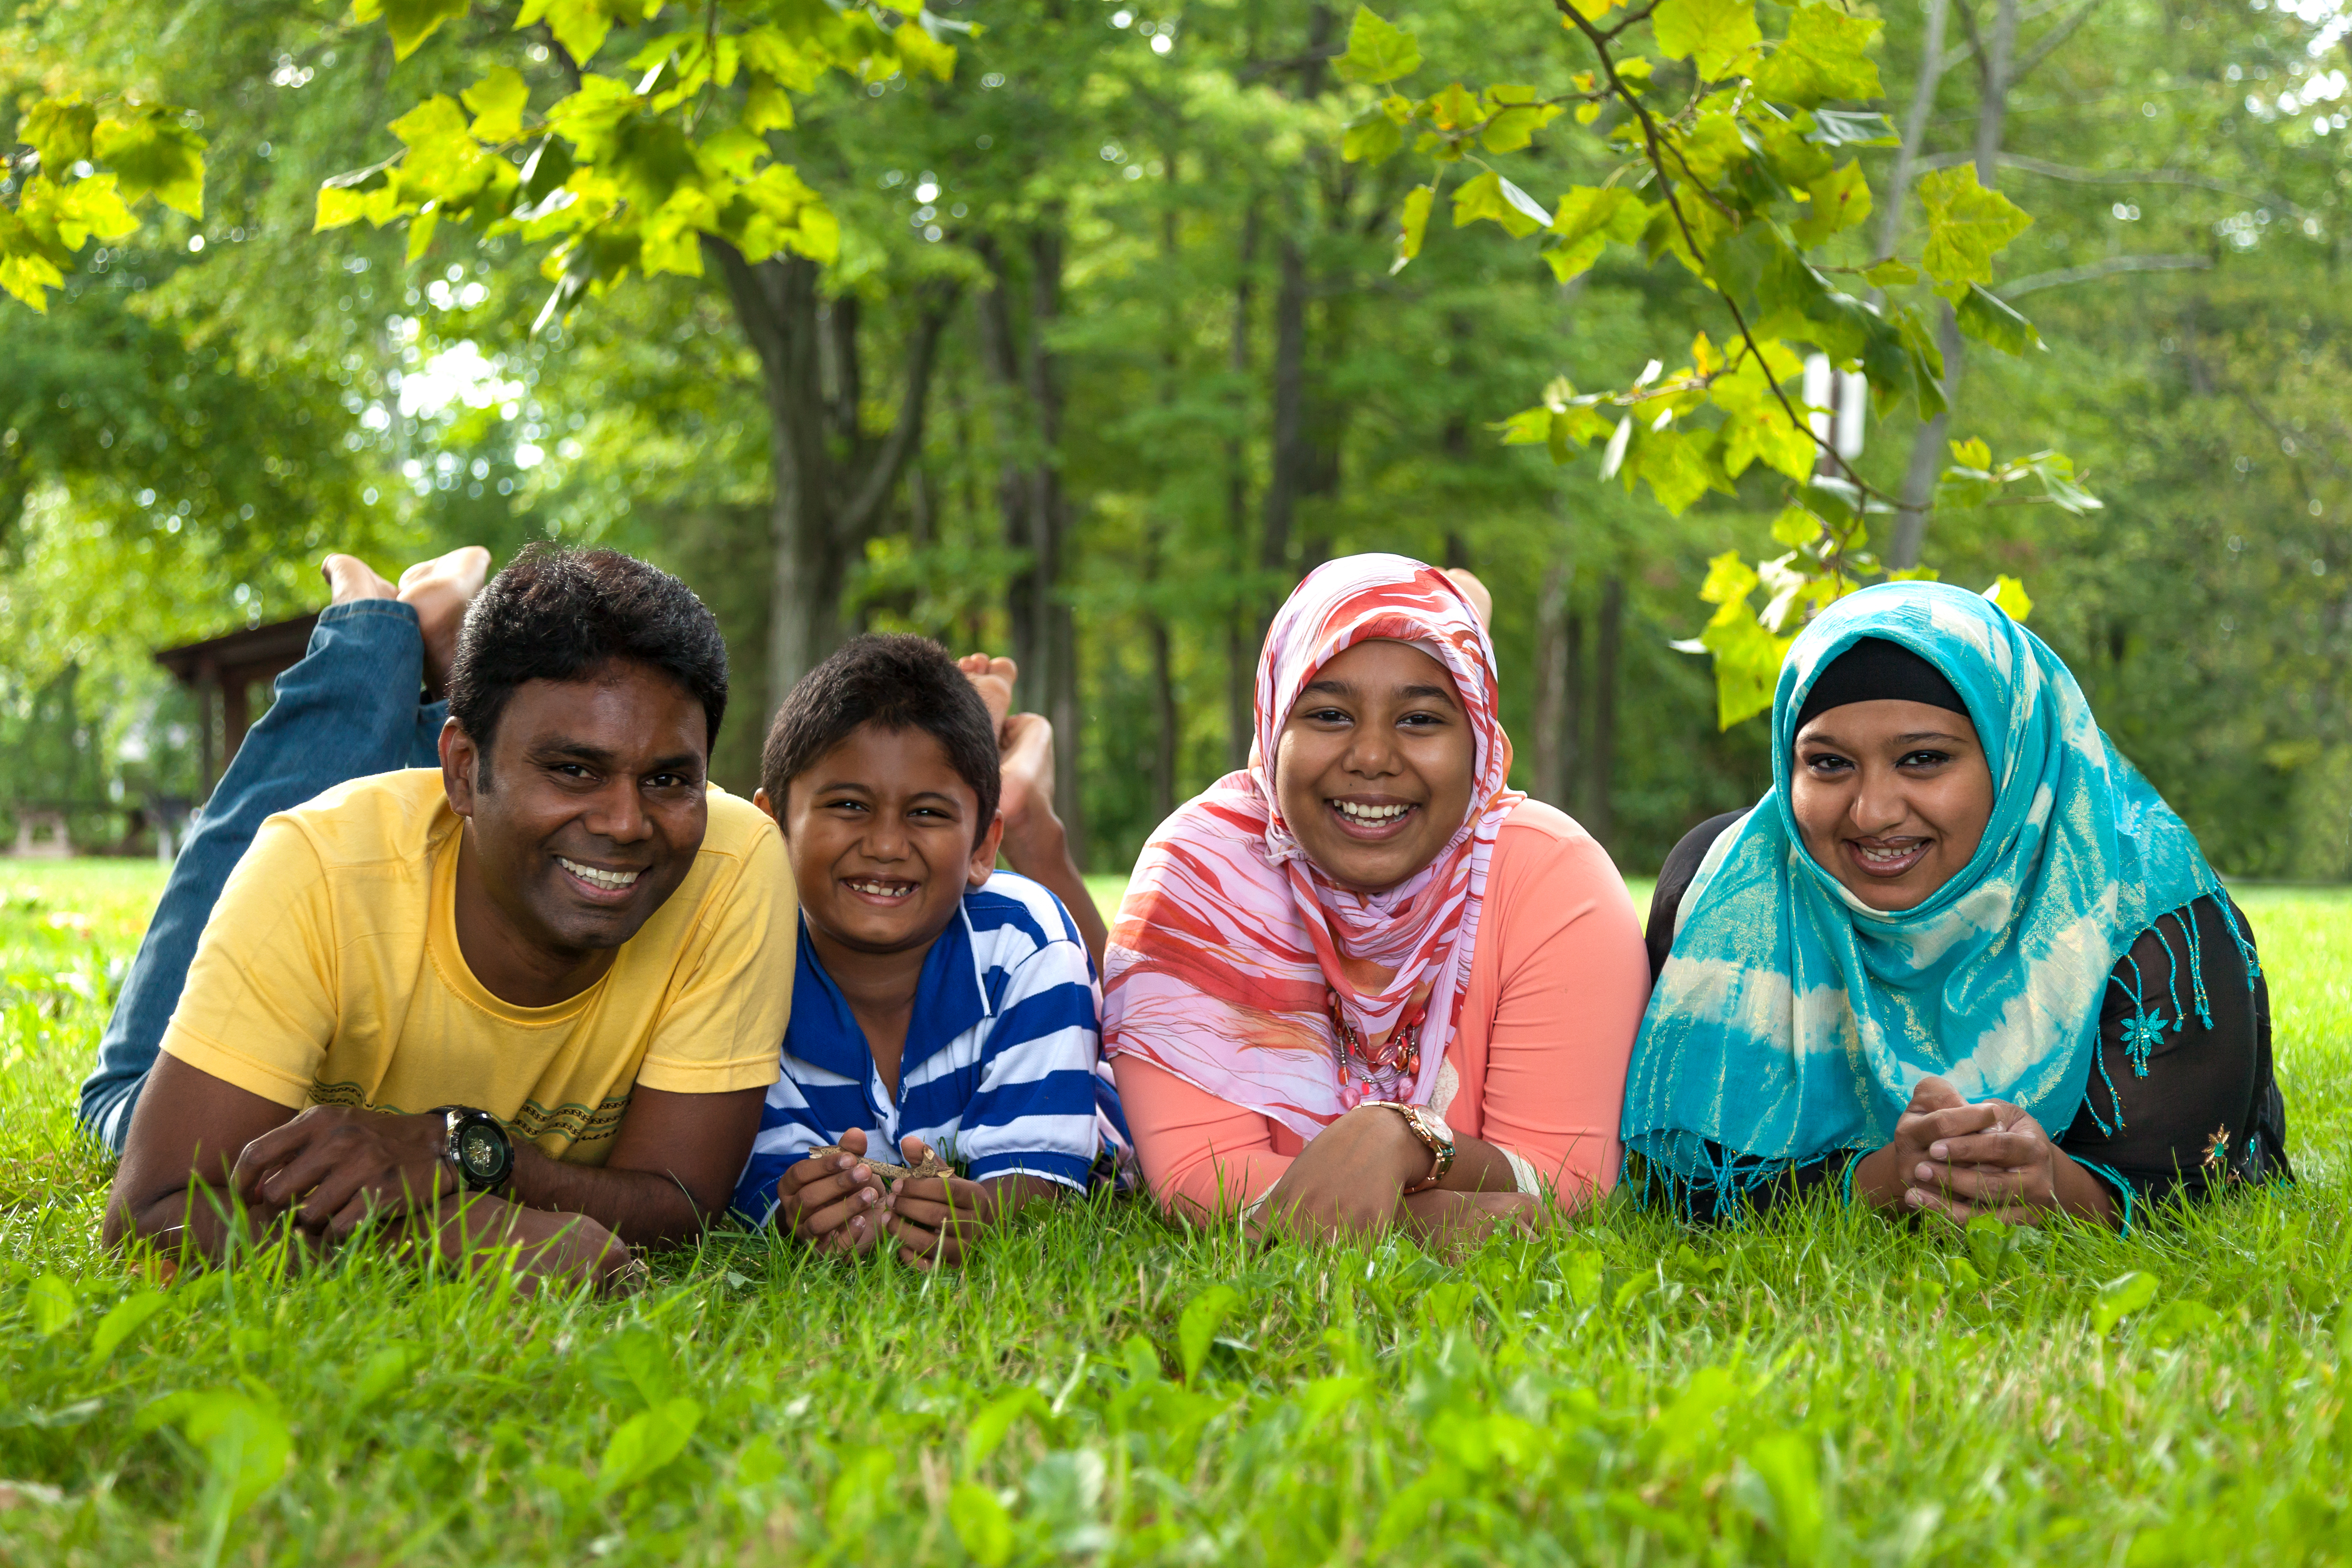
[
  {"x": 899, "y": 681},
  {"x": 555, "y": 614}
]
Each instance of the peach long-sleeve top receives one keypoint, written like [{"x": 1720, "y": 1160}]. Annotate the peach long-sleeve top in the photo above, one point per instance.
[{"x": 1537, "y": 1067}]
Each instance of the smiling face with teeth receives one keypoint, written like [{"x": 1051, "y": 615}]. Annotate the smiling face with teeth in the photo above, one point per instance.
[
  {"x": 881, "y": 833},
  {"x": 1375, "y": 765},
  {"x": 584, "y": 818},
  {"x": 1892, "y": 798}
]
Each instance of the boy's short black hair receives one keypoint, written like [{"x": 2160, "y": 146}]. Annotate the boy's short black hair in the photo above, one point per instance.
[
  {"x": 899, "y": 681},
  {"x": 555, "y": 614}
]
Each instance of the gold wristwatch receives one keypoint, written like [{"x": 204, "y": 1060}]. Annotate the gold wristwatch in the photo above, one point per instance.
[{"x": 1434, "y": 1135}]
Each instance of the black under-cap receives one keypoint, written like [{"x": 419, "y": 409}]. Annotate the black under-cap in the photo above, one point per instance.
[{"x": 1875, "y": 670}]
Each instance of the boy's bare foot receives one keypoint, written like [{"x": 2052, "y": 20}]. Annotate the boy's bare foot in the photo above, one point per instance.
[
  {"x": 438, "y": 590},
  {"x": 992, "y": 679},
  {"x": 350, "y": 578},
  {"x": 1472, "y": 589}
]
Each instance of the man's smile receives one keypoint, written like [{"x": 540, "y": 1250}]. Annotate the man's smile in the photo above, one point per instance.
[{"x": 607, "y": 885}]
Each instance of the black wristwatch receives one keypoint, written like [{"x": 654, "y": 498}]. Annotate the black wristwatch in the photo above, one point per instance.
[{"x": 476, "y": 1144}]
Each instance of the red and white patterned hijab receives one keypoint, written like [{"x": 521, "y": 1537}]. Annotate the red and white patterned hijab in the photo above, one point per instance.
[{"x": 1231, "y": 947}]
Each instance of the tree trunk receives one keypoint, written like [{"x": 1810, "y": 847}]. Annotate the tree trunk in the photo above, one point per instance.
[
  {"x": 1287, "y": 475},
  {"x": 1609, "y": 636},
  {"x": 1555, "y": 745},
  {"x": 1164, "y": 721},
  {"x": 1241, "y": 655},
  {"x": 831, "y": 479},
  {"x": 1994, "y": 51},
  {"x": 1035, "y": 511}
]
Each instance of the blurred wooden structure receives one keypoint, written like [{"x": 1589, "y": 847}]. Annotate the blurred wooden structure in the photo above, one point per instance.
[{"x": 224, "y": 670}]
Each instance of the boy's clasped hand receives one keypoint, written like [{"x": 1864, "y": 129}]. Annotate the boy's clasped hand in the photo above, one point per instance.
[{"x": 839, "y": 1201}]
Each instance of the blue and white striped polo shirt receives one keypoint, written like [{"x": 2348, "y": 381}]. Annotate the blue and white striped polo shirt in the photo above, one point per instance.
[{"x": 1002, "y": 1070}]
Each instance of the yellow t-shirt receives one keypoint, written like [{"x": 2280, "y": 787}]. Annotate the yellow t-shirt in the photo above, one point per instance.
[{"x": 329, "y": 974}]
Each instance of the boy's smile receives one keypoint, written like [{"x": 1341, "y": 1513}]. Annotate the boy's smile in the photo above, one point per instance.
[{"x": 880, "y": 832}]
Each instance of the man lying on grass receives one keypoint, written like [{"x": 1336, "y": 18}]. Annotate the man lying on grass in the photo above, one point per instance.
[
  {"x": 541, "y": 982},
  {"x": 944, "y": 1007}
]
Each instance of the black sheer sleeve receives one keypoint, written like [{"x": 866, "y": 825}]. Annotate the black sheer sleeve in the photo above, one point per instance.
[
  {"x": 2182, "y": 1101},
  {"x": 1673, "y": 881}
]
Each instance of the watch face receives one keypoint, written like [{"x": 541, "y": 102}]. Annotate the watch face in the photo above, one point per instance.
[
  {"x": 481, "y": 1151},
  {"x": 1437, "y": 1126}
]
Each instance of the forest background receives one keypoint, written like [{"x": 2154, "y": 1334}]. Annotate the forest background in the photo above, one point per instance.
[{"x": 1113, "y": 351}]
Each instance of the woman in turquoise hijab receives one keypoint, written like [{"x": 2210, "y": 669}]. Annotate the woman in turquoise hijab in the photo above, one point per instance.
[{"x": 1961, "y": 959}]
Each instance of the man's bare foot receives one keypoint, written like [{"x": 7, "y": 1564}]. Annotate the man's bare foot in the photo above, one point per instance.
[
  {"x": 438, "y": 590},
  {"x": 992, "y": 679},
  {"x": 350, "y": 580}
]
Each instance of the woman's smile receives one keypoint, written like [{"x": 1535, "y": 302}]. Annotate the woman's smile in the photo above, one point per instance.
[
  {"x": 1372, "y": 817},
  {"x": 1888, "y": 857}
]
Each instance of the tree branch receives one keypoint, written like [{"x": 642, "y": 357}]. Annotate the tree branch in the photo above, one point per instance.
[
  {"x": 2050, "y": 41},
  {"x": 2108, "y": 268},
  {"x": 2050, "y": 171},
  {"x": 937, "y": 300}
]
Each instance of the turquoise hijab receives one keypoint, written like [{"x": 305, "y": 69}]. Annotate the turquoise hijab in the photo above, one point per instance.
[{"x": 1791, "y": 1021}]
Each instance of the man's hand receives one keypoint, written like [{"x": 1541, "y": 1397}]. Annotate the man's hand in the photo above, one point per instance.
[
  {"x": 833, "y": 1203},
  {"x": 334, "y": 1166},
  {"x": 938, "y": 1220},
  {"x": 569, "y": 1250}
]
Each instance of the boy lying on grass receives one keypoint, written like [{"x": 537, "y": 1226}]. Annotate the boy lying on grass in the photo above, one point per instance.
[{"x": 942, "y": 1008}]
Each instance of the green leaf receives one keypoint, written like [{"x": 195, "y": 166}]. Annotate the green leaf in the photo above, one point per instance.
[
  {"x": 48, "y": 1305},
  {"x": 1516, "y": 117},
  {"x": 2119, "y": 1297},
  {"x": 409, "y": 21},
  {"x": 386, "y": 1372},
  {"x": 1197, "y": 1329},
  {"x": 1825, "y": 56},
  {"x": 1679, "y": 466},
  {"x": 337, "y": 205},
  {"x": 1729, "y": 577},
  {"x": 60, "y": 129},
  {"x": 497, "y": 102},
  {"x": 988, "y": 1428},
  {"x": 1489, "y": 196},
  {"x": 1710, "y": 33},
  {"x": 583, "y": 25},
  {"x": 1989, "y": 319},
  {"x": 1973, "y": 452},
  {"x": 1376, "y": 51},
  {"x": 919, "y": 52},
  {"x": 153, "y": 155},
  {"x": 1892, "y": 273},
  {"x": 980, "y": 1524},
  {"x": 1372, "y": 138},
  {"x": 2056, "y": 472},
  {"x": 2010, "y": 594},
  {"x": 646, "y": 1442},
  {"x": 1796, "y": 527},
  {"x": 1413, "y": 225},
  {"x": 1789, "y": 1467},
  {"x": 1747, "y": 663},
  {"x": 245, "y": 1446},
  {"x": 128, "y": 1316},
  {"x": 1841, "y": 199},
  {"x": 1968, "y": 224}
]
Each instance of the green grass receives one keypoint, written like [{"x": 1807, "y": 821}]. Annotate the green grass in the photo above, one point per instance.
[{"x": 1102, "y": 1387}]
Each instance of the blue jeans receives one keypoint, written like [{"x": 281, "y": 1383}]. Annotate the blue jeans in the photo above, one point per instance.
[{"x": 349, "y": 709}]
